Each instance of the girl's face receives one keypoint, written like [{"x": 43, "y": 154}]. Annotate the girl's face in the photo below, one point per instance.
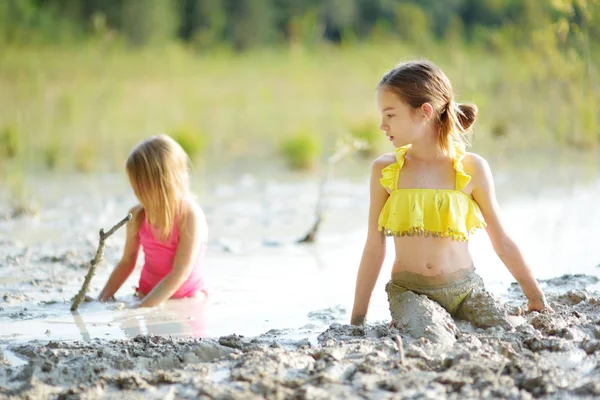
[{"x": 401, "y": 123}]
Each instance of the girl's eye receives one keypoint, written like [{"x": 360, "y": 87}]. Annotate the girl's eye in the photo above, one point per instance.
[{"x": 389, "y": 115}]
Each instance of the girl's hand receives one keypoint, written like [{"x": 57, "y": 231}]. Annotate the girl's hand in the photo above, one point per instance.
[
  {"x": 539, "y": 304},
  {"x": 105, "y": 299}
]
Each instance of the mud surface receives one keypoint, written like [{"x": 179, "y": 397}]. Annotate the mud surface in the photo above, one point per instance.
[
  {"x": 184, "y": 351},
  {"x": 545, "y": 356}
]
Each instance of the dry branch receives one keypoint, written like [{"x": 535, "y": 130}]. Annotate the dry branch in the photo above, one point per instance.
[
  {"x": 95, "y": 261},
  {"x": 344, "y": 148},
  {"x": 400, "y": 349}
]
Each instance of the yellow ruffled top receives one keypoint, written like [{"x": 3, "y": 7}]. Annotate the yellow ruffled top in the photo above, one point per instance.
[{"x": 429, "y": 212}]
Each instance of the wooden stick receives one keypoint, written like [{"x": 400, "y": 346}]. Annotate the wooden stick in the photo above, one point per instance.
[
  {"x": 344, "y": 149},
  {"x": 93, "y": 263},
  {"x": 503, "y": 364},
  {"x": 400, "y": 349}
]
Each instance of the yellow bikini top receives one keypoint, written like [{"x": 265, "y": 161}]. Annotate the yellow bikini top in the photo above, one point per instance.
[{"x": 436, "y": 212}]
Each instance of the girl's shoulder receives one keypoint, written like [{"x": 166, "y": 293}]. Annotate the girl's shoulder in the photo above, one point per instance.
[
  {"x": 383, "y": 161},
  {"x": 137, "y": 217},
  {"x": 191, "y": 207},
  {"x": 191, "y": 214},
  {"x": 475, "y": 165},
  {"x": 136, "y": 211}
]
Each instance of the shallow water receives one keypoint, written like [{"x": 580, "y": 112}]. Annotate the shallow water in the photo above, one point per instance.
[{"x": 258, "y": 278}]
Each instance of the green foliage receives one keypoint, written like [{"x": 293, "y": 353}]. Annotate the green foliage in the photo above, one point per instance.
[
  {"x": 85, "y": 157},
  {"x": 51, "y": 154},
  {"x": 301, "y": 149},
  {"x": 251, "y": 23},
  {"x": 368, "y": 132},
  {"x": 9, "y": 142},
  {"x": 249, "y": 70},
  {"x": 30, "y": 21},
  {"x": 244, "y": 24},
  {"x": 20, "y": 196},
  {"x": 148, "y": 21},
  {"x": 245, "y": 101},
  {"x": 412, "y": 23},
  {"x": 193, "y": 141},
  {"x": 203, "y": 22}
]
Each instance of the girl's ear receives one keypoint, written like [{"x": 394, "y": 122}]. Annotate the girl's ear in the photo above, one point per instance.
[{"x": 426, "y": 111}]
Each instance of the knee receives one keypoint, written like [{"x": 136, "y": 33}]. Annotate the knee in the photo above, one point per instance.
[{"x": 484, "y": 310}]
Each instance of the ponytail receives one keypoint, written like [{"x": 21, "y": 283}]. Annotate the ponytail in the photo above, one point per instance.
[{"x": 455, "y": 121}]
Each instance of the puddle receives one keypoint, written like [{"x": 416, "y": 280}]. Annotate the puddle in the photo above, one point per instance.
[{"x": 258, "y": 278}]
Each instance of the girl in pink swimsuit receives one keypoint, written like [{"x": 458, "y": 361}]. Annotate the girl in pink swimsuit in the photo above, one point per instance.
[{"x": 168, "y": 224}]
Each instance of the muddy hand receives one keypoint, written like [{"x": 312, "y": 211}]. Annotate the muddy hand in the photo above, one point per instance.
[
  {"x": 105, "y": 299},
  {"x": 539, "y": 305}
]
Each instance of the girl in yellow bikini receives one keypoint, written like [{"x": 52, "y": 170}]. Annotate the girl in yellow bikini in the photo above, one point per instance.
[{"x": 430, "y": 195}]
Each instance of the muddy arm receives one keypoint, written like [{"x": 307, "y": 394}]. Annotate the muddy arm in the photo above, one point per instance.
[
  {"x": 485, "y": 196},
  {"x": 129, "y": 258},
  {"x": 374, "y": 251}
]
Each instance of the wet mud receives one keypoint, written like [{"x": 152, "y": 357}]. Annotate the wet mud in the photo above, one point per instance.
[{"x": 545, "y": 356}]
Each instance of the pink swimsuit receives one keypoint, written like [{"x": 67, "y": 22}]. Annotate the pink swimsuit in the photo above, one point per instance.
[{"x": 158, "y": 262}]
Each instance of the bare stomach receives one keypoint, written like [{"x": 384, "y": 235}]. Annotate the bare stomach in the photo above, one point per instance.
[{"x": 430, "y": 256}]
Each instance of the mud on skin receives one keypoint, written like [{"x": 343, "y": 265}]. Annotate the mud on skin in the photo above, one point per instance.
[{"x": 547, "y": 356}]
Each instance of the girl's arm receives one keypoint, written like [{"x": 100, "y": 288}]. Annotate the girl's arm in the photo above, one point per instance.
[
  {"x": 193, "y": 232},
  {"x": 485, "y": 196},
  {"x": 129, "y": 258},
  {"x": 374, "y": 251}
]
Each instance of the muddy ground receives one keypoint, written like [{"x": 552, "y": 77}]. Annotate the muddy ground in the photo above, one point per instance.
[
  {"x": 43, "y": 262},
  {"x": 546, "y": 356}
]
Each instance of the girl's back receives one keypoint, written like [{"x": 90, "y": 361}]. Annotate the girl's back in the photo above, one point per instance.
[{"x": 158, "y": 261}]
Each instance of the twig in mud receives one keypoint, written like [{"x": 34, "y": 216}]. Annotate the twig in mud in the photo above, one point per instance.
[
  {"x": 95, "y": 261},
  {"x": 499, "y": 373},
  {"x": 505, "y": 354},
  {"x": 344, "y": 148},
  {"x": 400, "y": 348}
]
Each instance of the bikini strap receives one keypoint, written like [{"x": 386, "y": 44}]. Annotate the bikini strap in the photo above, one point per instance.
[
  {"x": 462, "y": 178},
  {"x": 390, "y": 174}
]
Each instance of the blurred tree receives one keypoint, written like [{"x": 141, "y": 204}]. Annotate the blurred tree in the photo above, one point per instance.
[
  {"x": 374, "y": 12},
  {"x": 412, "y": 23},
  {"x": 251, "y": 22},
  {"x": 489, "y": 13},
  {"x": 248, "y": 23},
  {"x": 148, "y": 21},
  {"x": 26, "y": 21},
  {"x": 440, "y": 12},
  {"x": 202, "y": 21},
  {"x": 339, "y": 18},
  {"x": 288, "y": 11}
]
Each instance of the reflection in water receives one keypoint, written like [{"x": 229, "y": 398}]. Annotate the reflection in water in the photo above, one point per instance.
[
  {"x": 14, "y": 359},
  {"x": 182, "y": 317},
  {"x": 85, "y": 335}
]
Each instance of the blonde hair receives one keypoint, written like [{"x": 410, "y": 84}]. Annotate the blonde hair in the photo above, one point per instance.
[
  {"x": 158, "y": 172},
  {"x": 420, "y": 82}
]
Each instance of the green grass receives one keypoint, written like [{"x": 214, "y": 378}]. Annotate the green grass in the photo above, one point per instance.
[
  {"x": 9, "y": 142},
  {"x": 17, "y": 193},
  {"x": 84, "y": 108},
  {"x": 52, "y": 154},
  {"x": 193, "y": 141},
  {"x": 301, "y": 149},
  {"x": 367, "y": 131}
]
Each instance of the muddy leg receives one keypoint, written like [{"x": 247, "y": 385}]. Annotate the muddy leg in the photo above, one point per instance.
[
  {"x": 482, "y": 309},
  {"x": 421, "y": 317}
]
